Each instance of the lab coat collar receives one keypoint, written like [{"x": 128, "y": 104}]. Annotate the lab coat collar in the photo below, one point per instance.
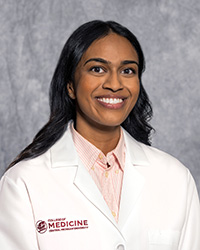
[
  {"x": 63, "y": 152},
  {"x": 135, "y": 150}
]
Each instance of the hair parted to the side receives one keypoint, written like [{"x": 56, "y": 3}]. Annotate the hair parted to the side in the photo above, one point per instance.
[{"x": 62, "y": 108}]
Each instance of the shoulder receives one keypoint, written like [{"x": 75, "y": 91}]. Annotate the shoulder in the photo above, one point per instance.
[
  {"x": 62, "y": 153},
  {"x": 27, "y": 169},
  {"x": 159, "y": 162},
  {"x": 161, "y": 169},
  {"x": 156, "y": 155},
  {"x": 166, "y": 166}
]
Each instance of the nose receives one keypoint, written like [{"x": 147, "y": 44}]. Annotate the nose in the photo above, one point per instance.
[{"x": 113, "y": 82}]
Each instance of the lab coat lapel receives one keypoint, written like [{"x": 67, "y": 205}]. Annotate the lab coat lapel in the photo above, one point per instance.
[
  {"x": 133, "y": 181},
  {"x": 84, "y": 182},
  {"x": 63, "y": 154}
]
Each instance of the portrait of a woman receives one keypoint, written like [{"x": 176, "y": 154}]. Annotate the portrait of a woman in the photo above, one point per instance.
[{"x": 91, "y": 179}]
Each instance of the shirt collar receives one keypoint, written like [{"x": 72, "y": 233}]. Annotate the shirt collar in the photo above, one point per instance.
[
  {"x": 89, "y": 154},
  {"x": 63, "y": 152}
]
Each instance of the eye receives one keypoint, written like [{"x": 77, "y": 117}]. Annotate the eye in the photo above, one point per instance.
[
  {"x": 128, "y": 71},
  {"x": 97, "y": 69}
]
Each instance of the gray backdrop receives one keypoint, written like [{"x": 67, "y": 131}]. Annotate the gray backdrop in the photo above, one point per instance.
[{"x": 32, "y": 34}]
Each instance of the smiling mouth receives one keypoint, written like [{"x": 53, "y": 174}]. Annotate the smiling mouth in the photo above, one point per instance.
[
  {"x": 114, "y": 103},
  {"x": 110, "y": 100}
]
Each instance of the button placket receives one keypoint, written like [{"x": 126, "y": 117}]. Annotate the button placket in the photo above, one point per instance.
[{"x": 106, "y": 174}]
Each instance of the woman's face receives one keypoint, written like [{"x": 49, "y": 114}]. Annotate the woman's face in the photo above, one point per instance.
[{"x": 106, "y": 84}]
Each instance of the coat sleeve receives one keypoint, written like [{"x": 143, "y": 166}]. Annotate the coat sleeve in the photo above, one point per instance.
[
  {"x": 190, "y": 238},
  {"x": 17, "y": 230}
]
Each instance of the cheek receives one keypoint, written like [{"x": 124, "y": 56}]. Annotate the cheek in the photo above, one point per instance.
[
  {"x": 83, "y": 94},
  {"x": 85, "y": 87},
  {"x": 135, "y": 94},
  {"x": 135, "y": 90},
  {"x": 138, "y": 91}
]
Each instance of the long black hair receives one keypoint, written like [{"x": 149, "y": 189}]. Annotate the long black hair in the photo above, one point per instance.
[{"x": 62, "y": 108}]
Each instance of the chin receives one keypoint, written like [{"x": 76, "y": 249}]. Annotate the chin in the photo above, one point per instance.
[{"x": 111, "y": 123}]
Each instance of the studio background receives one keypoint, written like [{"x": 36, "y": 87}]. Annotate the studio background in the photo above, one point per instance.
[{"x": 33, "y": 32}]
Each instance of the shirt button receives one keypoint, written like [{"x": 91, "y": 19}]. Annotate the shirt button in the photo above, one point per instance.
[
  {"x": 113, "y": 213},
  {"x": 120, "y": 247},
  {"x": 106, "y": 174},
  {"x": 100, "y": 156}
]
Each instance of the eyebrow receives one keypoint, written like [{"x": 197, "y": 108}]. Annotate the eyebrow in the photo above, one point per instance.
[{"x": 101, "y": 60}]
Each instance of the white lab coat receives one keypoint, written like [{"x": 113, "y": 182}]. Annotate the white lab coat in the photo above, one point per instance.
[{"x": 52, "y": 203}]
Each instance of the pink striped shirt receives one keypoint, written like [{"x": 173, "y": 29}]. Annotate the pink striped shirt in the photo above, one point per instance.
[{"x": 106, "y": 171}]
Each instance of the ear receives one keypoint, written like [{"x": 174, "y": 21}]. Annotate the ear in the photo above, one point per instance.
[{"x": 70, "y": 89}]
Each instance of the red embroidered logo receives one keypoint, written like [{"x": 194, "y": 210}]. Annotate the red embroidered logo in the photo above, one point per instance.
[
  {"x": 60, "y": 224},
  {"x": 41, "y": 226}
]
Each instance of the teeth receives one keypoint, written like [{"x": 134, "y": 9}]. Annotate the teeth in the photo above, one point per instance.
[{"x": 111, "y": 100}]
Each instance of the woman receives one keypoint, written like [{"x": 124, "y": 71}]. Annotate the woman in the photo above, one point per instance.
[{"x": 90, "y": 179}]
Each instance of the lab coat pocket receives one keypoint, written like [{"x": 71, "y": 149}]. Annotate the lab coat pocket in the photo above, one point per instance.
[{"x": 163, "y": 239}]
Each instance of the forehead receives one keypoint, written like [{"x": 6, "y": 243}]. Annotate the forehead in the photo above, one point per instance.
[{"x": 112, "y": 47}]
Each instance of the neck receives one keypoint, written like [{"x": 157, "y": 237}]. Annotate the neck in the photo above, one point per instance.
[{"x": 103, "y": 137}]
